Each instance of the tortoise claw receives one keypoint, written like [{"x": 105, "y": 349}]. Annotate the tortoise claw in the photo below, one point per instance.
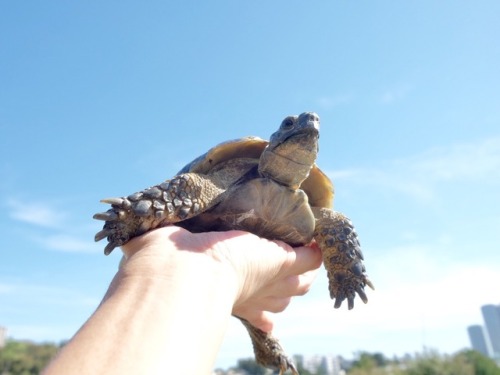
[
  {"x": 109, "y": 248},
  {"x": 350, "y": 296},
  {"x": 101, "y": 235},
  {"x": 287, "y": 364},
  {"x": 109, "y": 215},
  {"x": 350, "y": 302},
  {"x": 362, "y": 294},
  {"x": 338, "y": 301},
  {"x": 113, "y": 201}
]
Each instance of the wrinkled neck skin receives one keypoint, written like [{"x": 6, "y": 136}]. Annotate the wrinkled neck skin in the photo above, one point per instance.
[{"x": 289, "y": 163}]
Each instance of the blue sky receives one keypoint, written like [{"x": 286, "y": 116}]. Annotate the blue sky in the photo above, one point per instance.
[{"x": 102, "y": 99}]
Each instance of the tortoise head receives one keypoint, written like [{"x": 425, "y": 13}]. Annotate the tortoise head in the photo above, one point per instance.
[{"x": 292, "y": 150}]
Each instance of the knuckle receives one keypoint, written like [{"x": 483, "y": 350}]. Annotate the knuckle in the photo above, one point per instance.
[{"x": 279, "y": 305}]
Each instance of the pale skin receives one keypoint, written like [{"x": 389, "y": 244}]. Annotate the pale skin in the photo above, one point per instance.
[{"x": 168, "y": 307}]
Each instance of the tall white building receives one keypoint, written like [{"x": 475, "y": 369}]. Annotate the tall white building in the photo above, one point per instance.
[
  {"x": 3, "y": 330},
  {"x": 330, "y": 365},
  {"x": 478, "y": 340},
  {"x": 491, "y": 316}
]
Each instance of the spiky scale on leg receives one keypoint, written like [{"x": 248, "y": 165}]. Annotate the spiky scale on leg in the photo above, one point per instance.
[
  {"x": 268, "y": 351},
  {"x": 172, "y": 201},
  {"x": 342, "y": 256}
]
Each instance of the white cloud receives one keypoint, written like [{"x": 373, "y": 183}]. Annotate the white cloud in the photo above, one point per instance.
[
  {"x": 34, "y": 294},
  {"x": 464, "y": 161},
  {"x": 451, "y": 301},
  {"x": 395, "y": 93},
  {"x": 55, "y": 230},
  {"x": 418, "y": 176},
  {"x": 6, "y": 289},
  {"x": 29, "y": 294},
  {"x": 400, "y": 309},
  {"x": 36, "y": 213},
  {"x": 68, "y": 243},
  {"x": 329, "y": 102},
  {"x": 33, "y": 311}
]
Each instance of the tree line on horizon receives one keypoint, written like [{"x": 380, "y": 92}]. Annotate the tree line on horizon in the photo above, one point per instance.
[
  {"x": 29, "y": 358},
  {"x": 465, "y": 362}
]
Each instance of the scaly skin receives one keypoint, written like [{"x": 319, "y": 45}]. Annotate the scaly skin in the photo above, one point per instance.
[
  {"x": 342, "y": 256},
  {"x": 172, "y": 201},
  {"x": 268, "y": 351}
]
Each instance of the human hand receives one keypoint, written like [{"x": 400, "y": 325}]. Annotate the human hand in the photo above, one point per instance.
[
  {"x": 265, "y": 274},
  {"x": 173, "y": 296}
]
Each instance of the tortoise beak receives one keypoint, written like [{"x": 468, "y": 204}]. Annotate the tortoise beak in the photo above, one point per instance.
[{"x": 309, "y": 120}]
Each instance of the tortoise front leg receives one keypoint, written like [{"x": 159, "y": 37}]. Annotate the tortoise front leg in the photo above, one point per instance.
[
  {"x": 268, "y": 351},
  {"x": 174, "y": 200},
  {"x": 342, "y": 256}
]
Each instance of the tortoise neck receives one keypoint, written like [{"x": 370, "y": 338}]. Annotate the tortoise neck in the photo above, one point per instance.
[{"x": 282, "y": 169}]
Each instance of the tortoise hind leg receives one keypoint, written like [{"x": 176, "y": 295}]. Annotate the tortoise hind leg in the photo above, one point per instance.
[
  {"x": 268, "y": 351},
  {"x": 174, "y": 200},
  {"x": 342, "y": 256}
]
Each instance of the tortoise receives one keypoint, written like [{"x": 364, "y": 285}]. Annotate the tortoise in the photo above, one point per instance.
[{"x": 271, "y": 188}]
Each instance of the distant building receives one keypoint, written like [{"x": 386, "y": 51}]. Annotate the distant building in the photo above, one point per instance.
[
  {"x": 329, "y": 365},
  {"x": 478, "y": 340},
  {"x": 3, "y": 330},
  {"x": 491, "y": 316}
]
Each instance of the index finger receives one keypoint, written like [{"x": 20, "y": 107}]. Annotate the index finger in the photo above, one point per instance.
[{"x": 303, "y": 259}]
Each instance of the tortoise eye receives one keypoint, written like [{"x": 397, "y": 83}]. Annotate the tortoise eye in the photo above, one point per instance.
[{"x": 287, "y": 123}]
